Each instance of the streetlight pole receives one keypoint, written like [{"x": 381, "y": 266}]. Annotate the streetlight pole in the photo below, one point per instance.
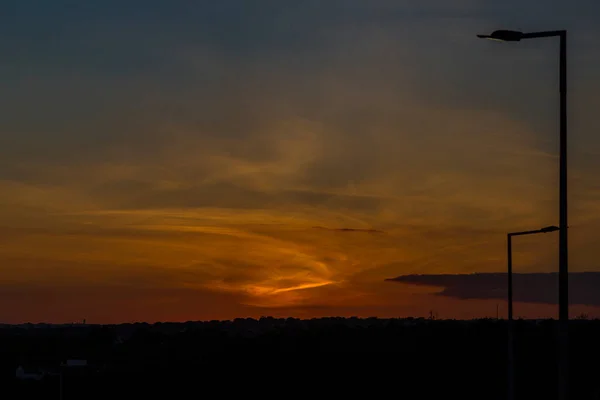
[
  {"x": 563, "y": 268},
  {"x": 511, "y": 346},
  {"x": 563, "y": 257}
]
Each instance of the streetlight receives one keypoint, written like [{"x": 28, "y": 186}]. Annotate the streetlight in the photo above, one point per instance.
[
  {"x": 563, "y": 258},
  {"x": 511, "y": 348}
]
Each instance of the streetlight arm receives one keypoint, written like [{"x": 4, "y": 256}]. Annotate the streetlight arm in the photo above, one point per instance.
[
  {"x": 543, "y": 230},
  {"x": 534, "y": 35},
  {"x": 525, "y": 233}
]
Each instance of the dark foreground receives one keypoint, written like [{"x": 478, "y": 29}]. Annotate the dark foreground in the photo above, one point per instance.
[{"x": 323, "y": 358}]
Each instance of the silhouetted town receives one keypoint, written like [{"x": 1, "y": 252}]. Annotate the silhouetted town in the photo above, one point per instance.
[{"x": 274, "y": 358}]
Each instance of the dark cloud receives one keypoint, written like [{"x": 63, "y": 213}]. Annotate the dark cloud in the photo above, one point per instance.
[{"x": 528, "y": 287}]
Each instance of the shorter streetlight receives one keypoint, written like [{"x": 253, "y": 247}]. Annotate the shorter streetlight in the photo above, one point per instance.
[
  {"x": 509, "y": 237},
  {"x": 511, "y": 359}
]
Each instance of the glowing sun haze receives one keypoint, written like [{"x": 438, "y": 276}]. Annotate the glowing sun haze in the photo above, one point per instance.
[{"x": 196, "y": 160}]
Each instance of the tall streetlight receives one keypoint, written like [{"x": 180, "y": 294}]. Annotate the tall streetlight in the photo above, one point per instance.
[
  {"x": 563, "y": 258},
  {"x": 511, "y": 346}
]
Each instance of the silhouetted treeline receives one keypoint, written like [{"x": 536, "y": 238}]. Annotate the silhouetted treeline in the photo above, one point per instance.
[{"x": 289, "y": 358}]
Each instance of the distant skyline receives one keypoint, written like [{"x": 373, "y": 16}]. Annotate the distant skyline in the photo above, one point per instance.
[{"x": 211, "y": 160}]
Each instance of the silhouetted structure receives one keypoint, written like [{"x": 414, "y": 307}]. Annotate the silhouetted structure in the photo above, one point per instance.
[
  {"x": 563, "y": 254},
  {"x": 334, "y": 357}
]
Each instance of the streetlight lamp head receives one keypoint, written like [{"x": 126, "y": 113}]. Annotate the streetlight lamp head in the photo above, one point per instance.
[
  {"x": 550, "y": 229},
  {"x": 503, "y": 36}
]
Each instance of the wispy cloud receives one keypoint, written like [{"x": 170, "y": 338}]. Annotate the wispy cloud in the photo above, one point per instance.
[{"x": 349, "y": 229}]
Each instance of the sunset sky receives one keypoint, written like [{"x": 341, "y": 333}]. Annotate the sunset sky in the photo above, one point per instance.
[{"x": 184, "y": 160}]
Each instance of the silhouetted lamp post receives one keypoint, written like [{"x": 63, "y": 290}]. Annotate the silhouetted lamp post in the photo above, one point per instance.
[
  {"x": 563, "y": 269},
  {"x": 511, "y": 348}
]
